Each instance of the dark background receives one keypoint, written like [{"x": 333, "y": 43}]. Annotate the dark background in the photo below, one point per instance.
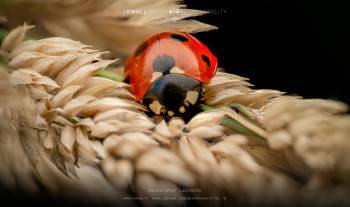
[{"x": 300, "y": 47}]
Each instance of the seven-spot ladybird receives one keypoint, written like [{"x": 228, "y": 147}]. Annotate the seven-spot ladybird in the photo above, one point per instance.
[{"x": 167, "y": 73}]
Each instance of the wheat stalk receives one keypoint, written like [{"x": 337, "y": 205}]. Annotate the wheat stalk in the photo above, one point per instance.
[{"x": 255, "y": 147}]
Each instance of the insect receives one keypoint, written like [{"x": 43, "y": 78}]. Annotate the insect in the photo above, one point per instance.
[{"x": 167, "y": 73}]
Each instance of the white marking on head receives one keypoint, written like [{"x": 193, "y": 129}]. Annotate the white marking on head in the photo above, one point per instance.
[
  {"x": 176, "y": 70},
  {"x": 192, "y": 97},
  {"x": 156, "y": 107},
  {"x": 182, "y": 109},
  {"x": 156, "y": 75},
  {"x": 171, "y": 113}
]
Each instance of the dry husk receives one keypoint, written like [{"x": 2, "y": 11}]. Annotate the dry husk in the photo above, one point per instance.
[
  {"x": 292, "y": 151},
  {"x": 114, "y": 25}
]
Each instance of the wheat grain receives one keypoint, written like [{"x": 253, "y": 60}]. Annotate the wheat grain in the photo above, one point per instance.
[{"x": 87, "y": 121}]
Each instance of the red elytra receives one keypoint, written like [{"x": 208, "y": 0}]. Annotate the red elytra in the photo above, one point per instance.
[{"x": 192, "y": 57}]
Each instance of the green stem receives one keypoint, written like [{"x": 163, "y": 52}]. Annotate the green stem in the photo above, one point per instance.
[
  {"x": 206, "y": 107},
  {"x": 245, "y": 113},
  {"x": 3, "y": 33},
  {"x": 109, "y": 75},
  {"x": 239, "y": 128}
]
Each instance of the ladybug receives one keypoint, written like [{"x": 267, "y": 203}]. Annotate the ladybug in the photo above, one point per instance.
[{"x": 167, "y": 73}]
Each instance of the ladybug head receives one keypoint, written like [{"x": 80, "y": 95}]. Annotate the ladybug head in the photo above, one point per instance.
[{"x": 174, "y": 95}]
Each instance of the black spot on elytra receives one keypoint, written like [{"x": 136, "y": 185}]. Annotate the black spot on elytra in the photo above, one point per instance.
[
  {"x": 140, "y": 49},
  {"x": 163, "y": 64},
  {"x": 206, "y": 59},
  {"x": 179, "y": 37}
]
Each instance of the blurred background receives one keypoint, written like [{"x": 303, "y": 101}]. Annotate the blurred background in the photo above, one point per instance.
[{"x": 301, "y": 47}]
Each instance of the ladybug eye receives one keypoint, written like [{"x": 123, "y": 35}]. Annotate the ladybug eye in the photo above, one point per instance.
[
  {"x": 206, "y": 60},
  {"x": 179, "y": 37},
  {"x": 141, "y": 48}
]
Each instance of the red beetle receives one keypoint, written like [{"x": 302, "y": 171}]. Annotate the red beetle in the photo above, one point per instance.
[{"x": 167, "y": 72}]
